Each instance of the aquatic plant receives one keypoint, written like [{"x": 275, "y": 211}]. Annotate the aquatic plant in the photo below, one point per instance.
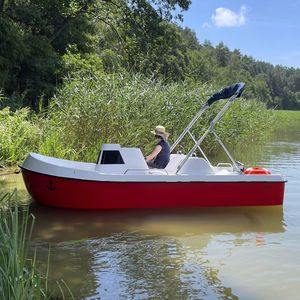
[
  {"x": 19, "y": 276},
  {"x": 90, "y": 110}
]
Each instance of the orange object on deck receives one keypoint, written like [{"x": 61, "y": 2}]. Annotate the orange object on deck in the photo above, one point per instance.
[{"x": 257, "y": 171}]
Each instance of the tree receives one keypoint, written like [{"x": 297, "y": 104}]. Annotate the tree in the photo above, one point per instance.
[
  {"x": 222, "y": 55},
  {"x": 199, "y": 68},
  {"x": 190, "y": 38},
  {"x": 36, "y": 34},
  {"x": 261, "y": 90}
]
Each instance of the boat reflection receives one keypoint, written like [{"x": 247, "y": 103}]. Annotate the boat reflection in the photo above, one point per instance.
[
  {"x": 145, "y": 249},
  {"x": 57, "y": 225}
]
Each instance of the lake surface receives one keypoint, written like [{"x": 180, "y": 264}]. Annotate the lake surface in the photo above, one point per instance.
[{"x": 194, "y": 253}]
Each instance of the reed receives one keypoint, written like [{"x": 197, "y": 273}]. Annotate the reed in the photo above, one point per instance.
[
  {"x": 19, "y": 277},
  {"x": 88, "y": 111}
]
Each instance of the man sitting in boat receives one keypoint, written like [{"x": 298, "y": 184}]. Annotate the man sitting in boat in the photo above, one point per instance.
[{"x": 160, "y": 156}]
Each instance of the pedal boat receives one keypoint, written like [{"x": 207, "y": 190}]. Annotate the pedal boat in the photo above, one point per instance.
[{"x": 121, "y": 178}]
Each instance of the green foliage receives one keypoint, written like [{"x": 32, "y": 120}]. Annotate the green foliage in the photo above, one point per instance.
[
  {"x": 28, "y": 62},
  {"x": 89, "y": 111},
  {"x": 42, "y": 41},
  {"x": 76, "y": 63},
  {"x": 18, "y": 135},
  {"x": 35, "y": 35},
  {"x": 276, "y": 86},
  {"x": 92, "y": 109},
  {"x": 246, "y": 122},
  {"x": 19, "y": 276},
  {"x": 286, "y": 117}
]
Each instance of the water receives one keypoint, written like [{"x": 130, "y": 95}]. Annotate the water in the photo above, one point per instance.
[{"x": 202, "y": 253}]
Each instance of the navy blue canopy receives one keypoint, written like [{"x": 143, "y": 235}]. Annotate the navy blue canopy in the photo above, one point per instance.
[{"x": 235, "y": 89}]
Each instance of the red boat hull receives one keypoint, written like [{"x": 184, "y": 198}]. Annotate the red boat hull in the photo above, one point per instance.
[{"x": 86, "y": 194}]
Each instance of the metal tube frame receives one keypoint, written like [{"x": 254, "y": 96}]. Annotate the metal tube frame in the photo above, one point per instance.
[
  {"x": 225, "y": 149},
  {"x": 199, "y": 147},
  {"x": 197, "y": 143},
  {"x": 187, "y": 129}
]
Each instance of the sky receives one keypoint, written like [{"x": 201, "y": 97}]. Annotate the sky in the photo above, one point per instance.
[{"x": 266, "y": 30}]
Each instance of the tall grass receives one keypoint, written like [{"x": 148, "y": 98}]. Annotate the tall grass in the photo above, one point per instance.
[
  {"x": 90, "y": 110},
  {"x": 19, "y": 277},
  {"x": 286, "y": 117}
]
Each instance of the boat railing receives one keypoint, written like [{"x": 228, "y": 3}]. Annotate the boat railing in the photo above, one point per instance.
[{"x": 219, "y": 165}]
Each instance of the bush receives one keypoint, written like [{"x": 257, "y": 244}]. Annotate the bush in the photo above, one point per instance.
[{"x": 18, "y": 135}]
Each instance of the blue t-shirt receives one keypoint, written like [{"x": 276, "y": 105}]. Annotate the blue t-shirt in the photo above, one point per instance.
[{"x": 163, "y": 157}]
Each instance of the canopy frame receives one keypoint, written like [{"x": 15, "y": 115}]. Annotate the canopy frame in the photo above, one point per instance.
[{"x": 230, "y": 93}]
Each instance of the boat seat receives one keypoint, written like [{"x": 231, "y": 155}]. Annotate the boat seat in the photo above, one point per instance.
[
  {"x": 175, "y": 160},
  {"x": 197, "y": 166}
]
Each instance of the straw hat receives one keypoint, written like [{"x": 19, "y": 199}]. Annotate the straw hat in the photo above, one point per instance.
[{"x": 161, "y": 131}]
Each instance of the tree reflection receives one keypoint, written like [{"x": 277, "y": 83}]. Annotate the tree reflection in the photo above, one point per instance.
[{"x": 159, "y": 268}]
